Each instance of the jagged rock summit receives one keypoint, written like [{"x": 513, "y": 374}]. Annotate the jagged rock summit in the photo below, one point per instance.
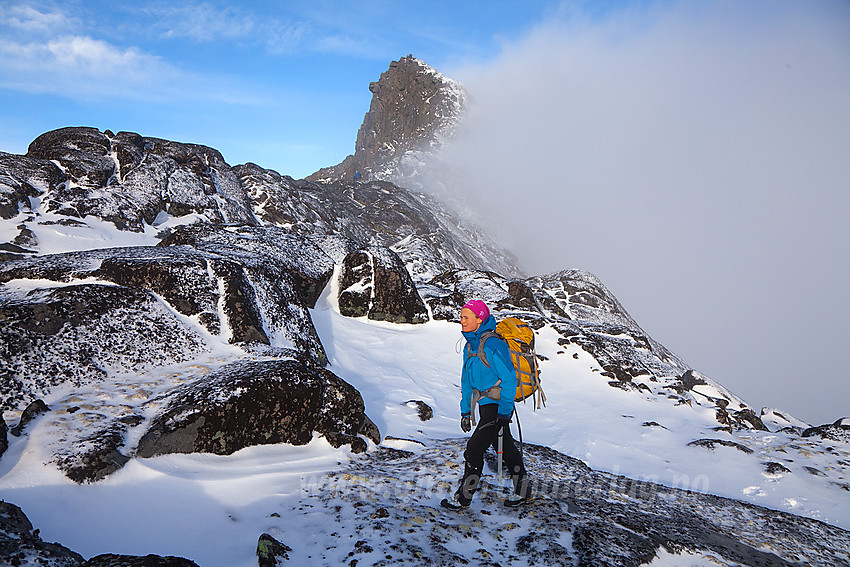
[{"x": 414, "y": 109}]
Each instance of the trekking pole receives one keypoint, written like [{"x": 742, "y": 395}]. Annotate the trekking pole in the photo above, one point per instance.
[
  {"x": 499, "y": 452},
  {"x": 519, "y": 428}
]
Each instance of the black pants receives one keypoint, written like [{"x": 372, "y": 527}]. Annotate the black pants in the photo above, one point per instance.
[{"x": 486, "y": 434}]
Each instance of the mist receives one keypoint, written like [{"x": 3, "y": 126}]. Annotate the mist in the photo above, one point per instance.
[{"x": 696, "y": 157}]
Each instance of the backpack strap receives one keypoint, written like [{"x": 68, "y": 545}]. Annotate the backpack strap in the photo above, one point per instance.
[
  {"x": 480, "y": 354},
  {"x": 495, "y": 391}
]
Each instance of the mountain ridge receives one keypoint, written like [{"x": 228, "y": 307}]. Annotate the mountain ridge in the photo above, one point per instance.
[{"x": 242, "y": 288}]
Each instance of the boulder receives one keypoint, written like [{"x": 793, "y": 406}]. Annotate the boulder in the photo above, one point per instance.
[
  {"x": 20, "y": 544},
  {"x": 270, "y": 552},
  {"x": 129, "y": 180},
  {"x": 258, "y": 402},
  {"x": 113, "y": 560},
  {"x": 23, "y": 178},
  {"x": 83, "y": 153},
  {"x": 4, "y": 437},
  {"x": 32, "y": 411},
  {"x": 374, "y": 283}
]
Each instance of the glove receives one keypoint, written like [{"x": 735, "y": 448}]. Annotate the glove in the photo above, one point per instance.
[
  {"x": 502, "y": 421},
  {"x": 465, "y": 423}
]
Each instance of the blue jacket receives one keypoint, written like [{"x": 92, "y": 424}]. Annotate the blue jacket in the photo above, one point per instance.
[{"x": 476, "y": 375}]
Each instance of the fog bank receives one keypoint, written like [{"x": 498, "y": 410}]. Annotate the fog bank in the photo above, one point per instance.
[{"x": 696, "y": 157}]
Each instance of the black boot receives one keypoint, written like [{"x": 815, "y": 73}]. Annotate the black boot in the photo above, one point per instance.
[{"x": 453, "y": 503}]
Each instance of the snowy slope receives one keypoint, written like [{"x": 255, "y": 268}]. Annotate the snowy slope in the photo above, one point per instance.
[{"x": 212, "y": 508}]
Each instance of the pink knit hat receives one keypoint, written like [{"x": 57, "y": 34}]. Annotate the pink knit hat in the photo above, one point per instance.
[{"x": 479, "y": 308}]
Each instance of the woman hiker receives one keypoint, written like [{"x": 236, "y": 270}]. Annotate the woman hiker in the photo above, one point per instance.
[{"x": 493, "y": 389}]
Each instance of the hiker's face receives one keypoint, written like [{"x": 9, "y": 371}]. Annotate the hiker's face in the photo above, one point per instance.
[{"x": 469, "y": 321}]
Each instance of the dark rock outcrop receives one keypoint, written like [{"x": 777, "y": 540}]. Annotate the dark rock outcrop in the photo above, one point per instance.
[
  {"x": 775, "y": 468},
  {"x": 114, "y": 560},
  {"x": 127, "y": 179},
  {"x": 82, "y": 152},
  {"x": 255, "y": 403},
  {"x": 612, "y": 521},
  {"x": 836, "y": 431},
  {"x": 270, "y": 552},
  {"x": 255, "y": 286},
  {"x": 711, "y": 443},
  {"x": 98, "y": 452},
  {"x": 4, "y": 437},
  {"x": 182, "y": 280},
  {"x": 32, "y": 411},
  {"x": 429, "y": 237},
  {"x": 281, "y": 275},
  {"x": 20, "y": 544},
  {"x": 424, "y": 410},
  {"x": 374, "y": 283},
  {"x": 301, "y": 257},
  {"x": 22, "y": 178}
]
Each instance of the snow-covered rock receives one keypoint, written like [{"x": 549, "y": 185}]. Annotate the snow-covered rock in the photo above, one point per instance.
[
  {"x": 20, "y": 544},
  {"x": 23, "y": 178},
  {"x": 429, "y": 236},
  {"x": 580, "y": 517},
  {"x": 257, "y": 402},
  {"x": 839, "y": 430},
  {"x": 374, "y": 283},
  {"x": 129, "y": 180},
  {"x": 79, "y": 334}
]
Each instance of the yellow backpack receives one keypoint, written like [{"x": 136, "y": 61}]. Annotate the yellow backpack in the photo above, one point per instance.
[{"x": 520, "y": 339}]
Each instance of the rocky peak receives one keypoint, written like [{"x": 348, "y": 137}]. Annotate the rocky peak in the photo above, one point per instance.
[{"x": 413, "y": 108}]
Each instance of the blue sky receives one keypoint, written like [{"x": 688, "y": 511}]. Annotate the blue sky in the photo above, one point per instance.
[
  {"x": 694, "y": 154},
  {"x": 282, "y": 84}
]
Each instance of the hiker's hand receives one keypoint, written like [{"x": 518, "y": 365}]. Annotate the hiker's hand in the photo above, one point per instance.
[
  {"x": 465, "y": 423},
  {"x": 502, "y": 421}
]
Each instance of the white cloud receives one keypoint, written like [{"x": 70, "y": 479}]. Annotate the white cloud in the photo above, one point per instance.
[
  {"x": 82, "y": 66},
  {"x": 283, "y": 30},
  {"x": 48, "y": 51},
  {"x": 284, "y": 39},
  {"x": 43, "y": 51},
  {"x": 202, "y": 21},
  {"x": 24, "y": 18}
]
